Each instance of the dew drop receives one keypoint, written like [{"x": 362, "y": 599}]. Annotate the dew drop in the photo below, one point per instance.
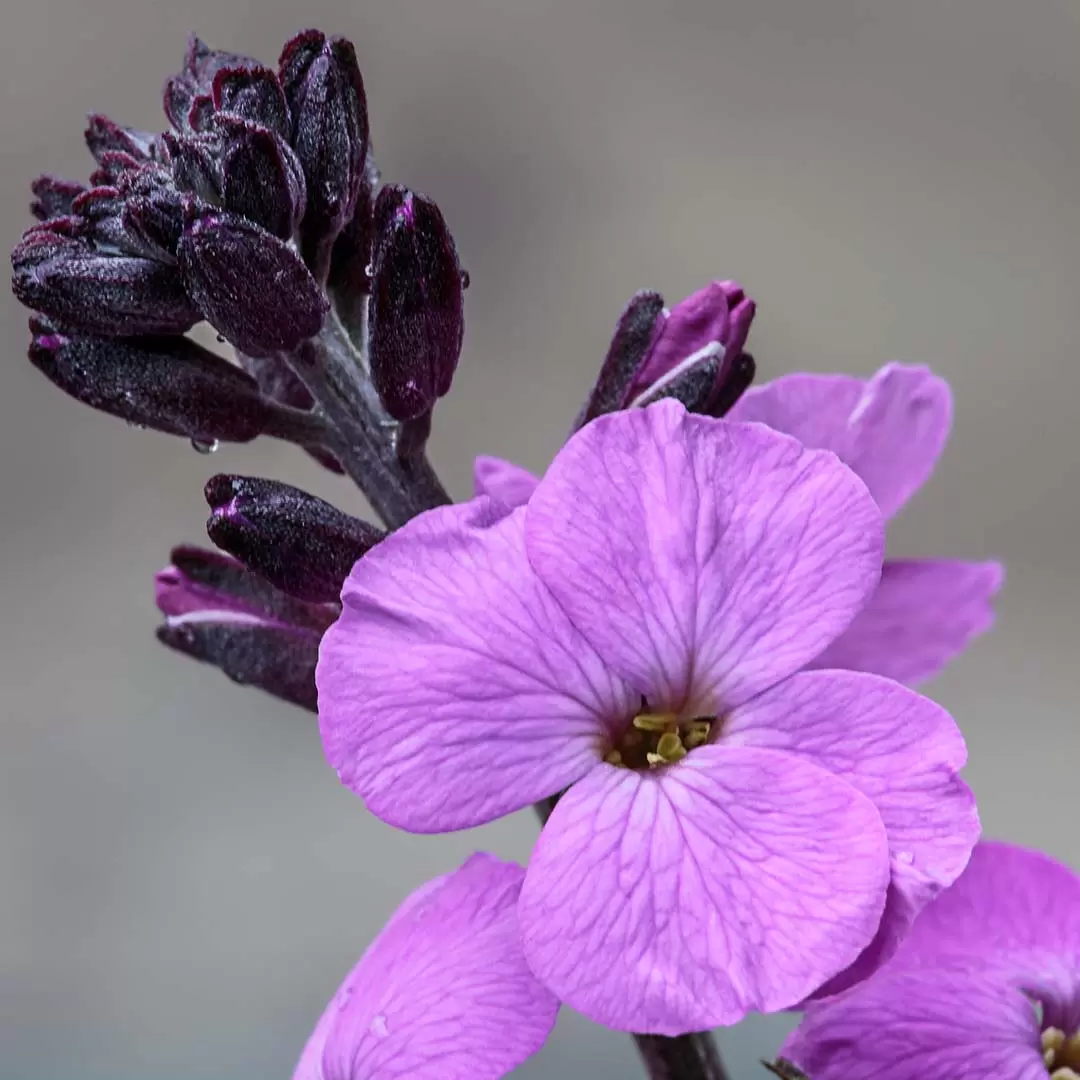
[
  {"x": 221, "y": 339},
  {"x": 379, "y": 1027},
  {"x": 200, "y": 446},
  {"x": 369, "y": 270},
  {"x": 466, "y": 280}
]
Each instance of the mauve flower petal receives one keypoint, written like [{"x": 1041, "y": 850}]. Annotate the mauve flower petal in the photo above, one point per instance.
[
  {"x": 443, "y": 993},
  {"x": 902, "y": 750},
  {"x": 703, "y": 560},
  {"x": 945, "y": 1025},
  {"x": 1009, "y": 908},
  {"x": 890, "y": 429},
  {"x": 453, "y": 690},
  {"x": 738, "y": 880},
  {"x": 506, "y": 483},
  {"x": 923, "y": 613}
]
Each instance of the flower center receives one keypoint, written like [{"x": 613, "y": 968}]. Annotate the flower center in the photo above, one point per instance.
[
  {"x": 654, "y": 739},
  {"x": 1061, "y": 1053}
]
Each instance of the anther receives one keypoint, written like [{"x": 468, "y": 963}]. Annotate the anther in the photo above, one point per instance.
[{"x": 657, "y": 722}]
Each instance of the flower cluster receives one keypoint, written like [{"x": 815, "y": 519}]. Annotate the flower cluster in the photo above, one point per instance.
[{"x": 682, "y": 644}]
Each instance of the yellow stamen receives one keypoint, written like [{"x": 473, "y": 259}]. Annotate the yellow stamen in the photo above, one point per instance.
[
  {"x": 697, "y": 734},
  {"x": 613, "y": 757},
  {"x": 655, "y": 759},
  {"x": 655, "y": 721},
  {"x": 1053, "y": 1039},
  {"x": 670, "y": 747}
]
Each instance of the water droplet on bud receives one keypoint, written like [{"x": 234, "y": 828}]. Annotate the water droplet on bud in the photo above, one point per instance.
[
  {"x": 465, "y": 279},
  {"x": 369, "y": 270},
  {"x": 202, "y": 447}
]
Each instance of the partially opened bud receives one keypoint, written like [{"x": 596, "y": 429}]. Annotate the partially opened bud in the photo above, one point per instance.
[
  {"x": 251, "y": 286},
  {"x": 65, "y": 277},
  {"x": 170, "y": 384},
  {"x": 325, "y": 93},
  {"x": 713, "y": 322},
  {"x": 416, "y": 313},
  {"x": 218, "y": 612},
  {"x": 304, "y": 546}
]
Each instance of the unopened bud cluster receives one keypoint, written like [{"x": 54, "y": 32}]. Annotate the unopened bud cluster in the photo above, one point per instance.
[{"x": 260, "y": 212}]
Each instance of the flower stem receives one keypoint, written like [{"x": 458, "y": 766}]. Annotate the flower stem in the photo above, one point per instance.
[
  {"x": 398, "y": 488},
  {"x": 681, "y": 1057},
  {"x": 363, "y": 440}
]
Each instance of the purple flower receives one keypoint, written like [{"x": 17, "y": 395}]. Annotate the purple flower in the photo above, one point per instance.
[
  {"x": 729, "y": 829},
  {"x": 986, "y": 985},
  {"x": 443, "y": 993},
  {"x": 890, "y": 430}
]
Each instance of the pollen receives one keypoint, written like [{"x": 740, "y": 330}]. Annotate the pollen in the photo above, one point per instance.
[
  {"x": 1061, "y": 1054},
  {"x": 654, "y": 740}
]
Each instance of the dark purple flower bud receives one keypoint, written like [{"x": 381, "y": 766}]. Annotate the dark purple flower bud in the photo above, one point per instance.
[
  {"x": 64, "y": 277},
  {"x": 253, "y": 94},
  {"x": 220, "y": 613},
  {"x": 251, "y": 286},
  {"x": 170, "y": 384},
  {"x": 196, "y": 80},
  {"x": 300, "y": 544},
  {"x": 325, "y": 93},
  {"x": 263, "y": 179},
  {"x": 634, "y": 334},
  {"x": 53, "y": 197},
  {"x": 104, "y": 135},
  {"x": 196, "y": 164},
  {"x": 714, "y": 320},
  {"x": 416, "y": 315},
  {"x": 114, "y": 165}
]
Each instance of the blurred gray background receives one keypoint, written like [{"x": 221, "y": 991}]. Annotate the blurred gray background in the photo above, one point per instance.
[{"x": 183, "y": 880}]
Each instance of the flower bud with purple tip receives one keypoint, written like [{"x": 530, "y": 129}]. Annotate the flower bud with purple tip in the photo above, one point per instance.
[
  {"x": 218, "y": 612},
  {"x": 105, "y": 136},
  {"x": 328, "y": 107},
  {"x": 65, "y": 276},
  {"x": 169, "y": 384},
  {"x": 251, "y": 286},
  {"x": 53, "y": 197},
  {"x": 189, "y": 93},
  {"x": 262, "y": 178},
  {"x": 696, "y": 343},
  {"x": 299, "y": 543},
  {"x": 416, "y": 313}
]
